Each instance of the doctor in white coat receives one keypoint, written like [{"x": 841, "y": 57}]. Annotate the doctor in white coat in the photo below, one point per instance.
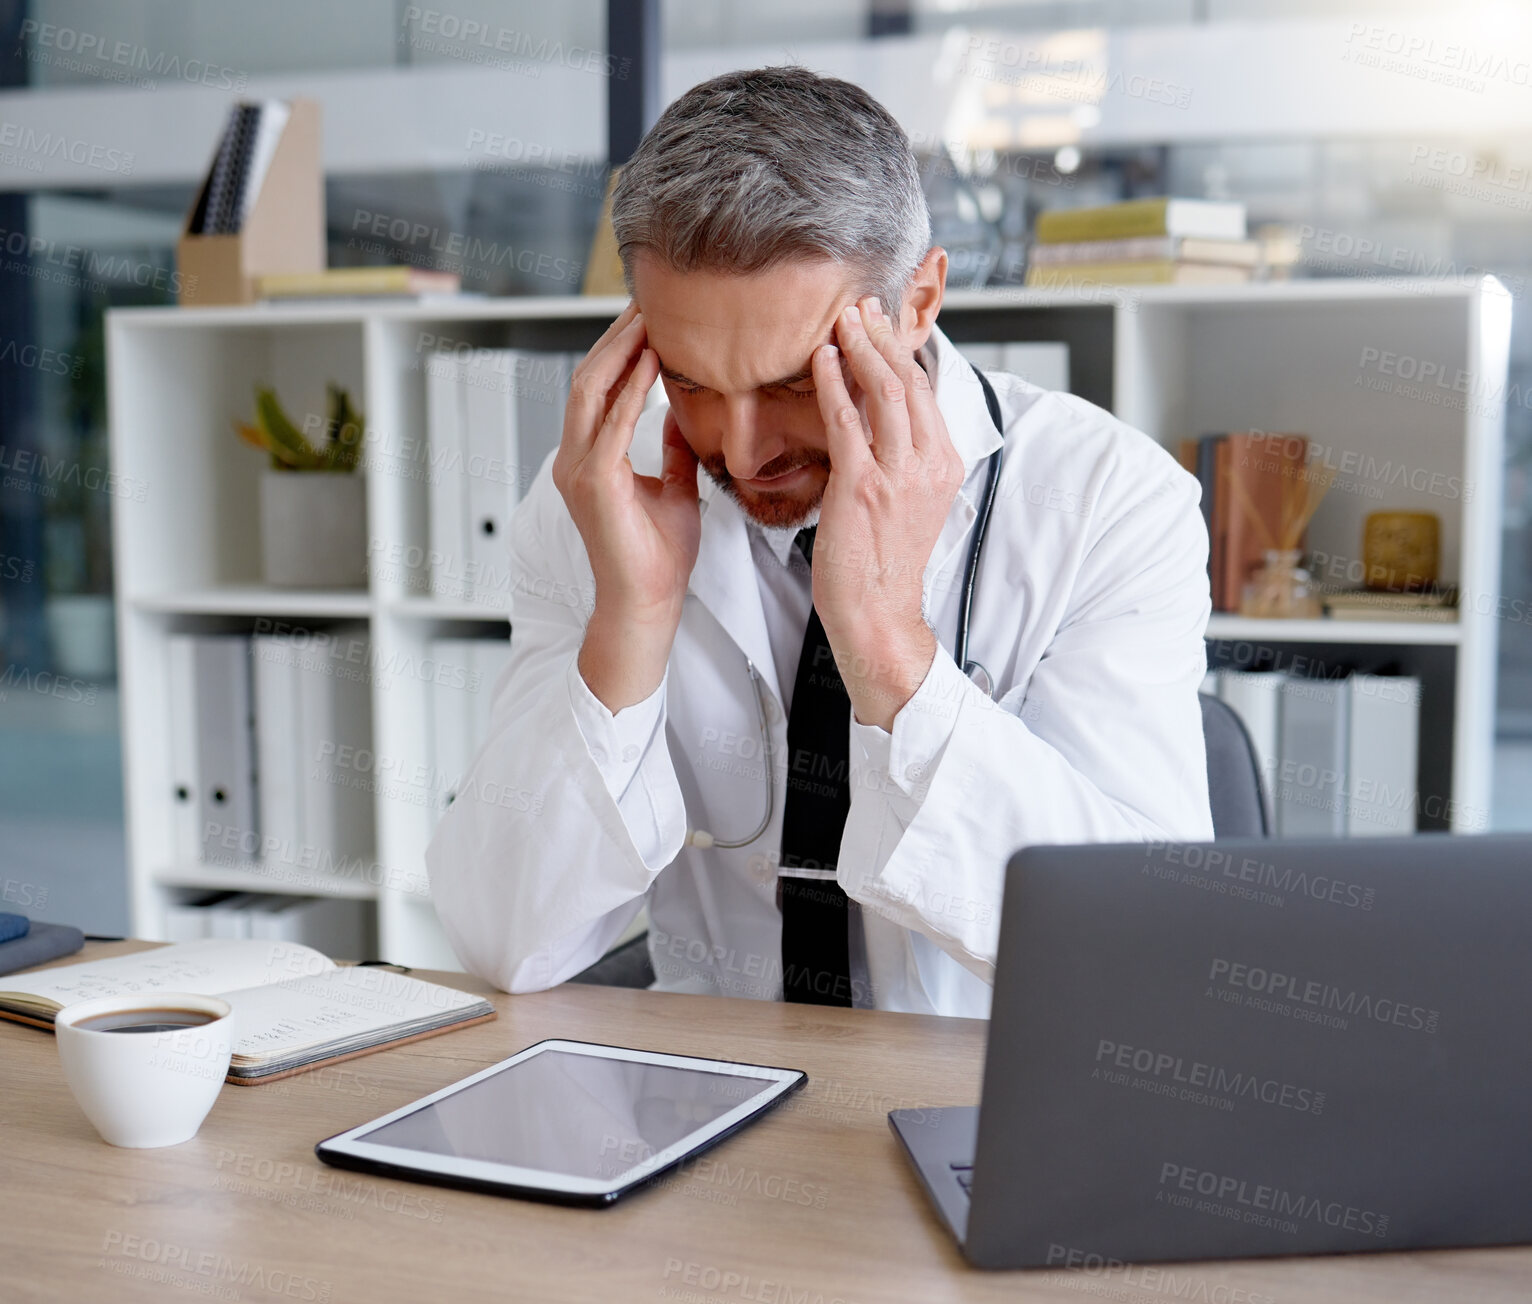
[{"x": 644, "y": 747}]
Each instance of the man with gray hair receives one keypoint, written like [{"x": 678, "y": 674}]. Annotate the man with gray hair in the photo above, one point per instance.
[{"x": 750, "y": 716}]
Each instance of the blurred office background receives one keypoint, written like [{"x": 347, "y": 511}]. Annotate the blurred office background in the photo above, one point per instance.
[{"x": 1387, "y": 136}]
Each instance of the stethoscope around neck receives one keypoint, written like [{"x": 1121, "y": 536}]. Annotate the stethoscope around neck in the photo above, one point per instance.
[{"x": 973, "y": 669}]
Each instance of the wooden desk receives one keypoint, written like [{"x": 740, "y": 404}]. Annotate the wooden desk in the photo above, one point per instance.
[{"x": 812, "y": 1205}]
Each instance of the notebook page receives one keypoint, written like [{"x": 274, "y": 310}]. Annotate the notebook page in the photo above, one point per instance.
[
  {"x": 335, "y": 1006},
  {"x": 213, "y": 967}
]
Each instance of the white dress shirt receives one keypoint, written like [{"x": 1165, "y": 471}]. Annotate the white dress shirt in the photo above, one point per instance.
[{"x": 1088, "y": 614}]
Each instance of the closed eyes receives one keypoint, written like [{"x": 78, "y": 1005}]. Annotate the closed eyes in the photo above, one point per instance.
[{"x": 786, "y": 391}]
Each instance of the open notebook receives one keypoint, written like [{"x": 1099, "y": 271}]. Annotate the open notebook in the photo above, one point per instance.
[{"x": 295, "y": 1009}]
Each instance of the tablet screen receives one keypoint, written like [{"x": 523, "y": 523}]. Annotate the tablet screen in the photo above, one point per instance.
[{"x": 579, "y": 1115}]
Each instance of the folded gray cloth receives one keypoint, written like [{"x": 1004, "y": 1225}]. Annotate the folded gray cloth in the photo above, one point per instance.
[
  {"x": 13, "y": 926},
  {"x": 42, "y": 943}
]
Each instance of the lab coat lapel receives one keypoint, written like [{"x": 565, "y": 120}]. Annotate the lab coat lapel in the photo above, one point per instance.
[
  {"x": 955, "y": 530},
  {"x": 724, "y": 580},
  {"x": 960, "y": 399}
]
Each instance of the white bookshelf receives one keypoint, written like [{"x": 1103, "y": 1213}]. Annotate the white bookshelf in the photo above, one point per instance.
[
  {"x": 1224, "y": 627},
  {"x": 258, "y": 600},
  {"x": 1174, "y": 361}
]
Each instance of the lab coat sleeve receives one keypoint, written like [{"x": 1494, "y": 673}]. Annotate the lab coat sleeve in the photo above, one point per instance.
[
  {"x": 1102, "y": 744},
  {"x": 619, "y": 744},
  {"x": 560, "y": 826}
]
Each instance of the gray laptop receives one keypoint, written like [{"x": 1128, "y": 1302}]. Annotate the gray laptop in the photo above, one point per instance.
[{"x": 1203, "y": 1051}]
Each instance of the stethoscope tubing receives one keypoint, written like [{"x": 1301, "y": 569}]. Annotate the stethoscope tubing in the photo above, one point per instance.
[{"x": 976, "y": 545}]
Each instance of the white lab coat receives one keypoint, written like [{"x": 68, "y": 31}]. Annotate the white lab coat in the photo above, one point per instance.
[{"x": 1089, "y": 613}]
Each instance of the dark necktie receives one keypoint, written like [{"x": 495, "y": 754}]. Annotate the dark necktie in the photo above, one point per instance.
[{"x": 816, "y": 961}]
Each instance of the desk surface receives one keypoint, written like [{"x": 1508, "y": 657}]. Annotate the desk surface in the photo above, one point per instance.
[{"x": 814, "y": 1204}]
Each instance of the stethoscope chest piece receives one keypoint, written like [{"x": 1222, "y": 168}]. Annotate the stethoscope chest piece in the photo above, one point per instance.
[{"x": 980, "y": 677}]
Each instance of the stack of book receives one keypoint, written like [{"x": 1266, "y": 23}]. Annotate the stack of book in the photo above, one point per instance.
[
  {"x": 396, "y": 282},
  {"x": 1337, "y": 757},
  {"x": 1143, "y": 242},
  {"x": 1434, "y": 606},
  {"x": 1281, "y": 250}
]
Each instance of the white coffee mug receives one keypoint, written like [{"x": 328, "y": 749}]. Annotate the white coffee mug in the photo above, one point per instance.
[{"x": 143, "y": 1089}]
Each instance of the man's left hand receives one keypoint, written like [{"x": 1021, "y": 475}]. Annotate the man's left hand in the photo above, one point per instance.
[{"x": 893, "y": 477}]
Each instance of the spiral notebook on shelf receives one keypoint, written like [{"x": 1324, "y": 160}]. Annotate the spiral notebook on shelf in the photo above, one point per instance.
[
  {"x": 296, "y": 1008},
  {"x": 260, "y": 208},
  {"x": 245, "y": 150}
]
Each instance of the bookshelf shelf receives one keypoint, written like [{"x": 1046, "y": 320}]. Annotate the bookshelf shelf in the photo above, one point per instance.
[
  {"x": 1402, "y": 632},
  {"x": 424, "y": 608},
  {"x": 273, "y": 878},
  {"x": 1172, "y": 361},
  {"x": 258, "y": 600}
]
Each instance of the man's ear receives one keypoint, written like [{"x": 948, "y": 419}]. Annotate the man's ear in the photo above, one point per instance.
[{"x": 923, "y": 300}]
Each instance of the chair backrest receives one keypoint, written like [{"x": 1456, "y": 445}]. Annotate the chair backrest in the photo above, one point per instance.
[{"x": 1234, "y": 773}]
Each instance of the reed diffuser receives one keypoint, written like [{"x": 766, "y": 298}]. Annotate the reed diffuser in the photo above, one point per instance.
[{"x": 1280, "y": 589}]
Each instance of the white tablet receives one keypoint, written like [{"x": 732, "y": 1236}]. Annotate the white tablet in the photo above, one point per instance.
[{"x": 564, "y": 1120}]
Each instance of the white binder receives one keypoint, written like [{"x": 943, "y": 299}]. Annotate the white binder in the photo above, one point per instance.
[
  {"x": 188, "y": 920},
  {"x": 460, "y": 716},
  {"x": 334, "y": 761},
  {"x": 1256, "y": 697},
  {"x": 222, "y": 698},
  {"x": 494, "y": 417},
  {"x": 277, "y": 717},
  {"x": 231, "y": 917},
  {"x": 542, "y": 394},
  {"x": 489, "y": 413},
  {"x": 333, "y": 925},
  {"x": 447, "y": 459},
  {"x": 1311, "y": 777},
  {"x": 452, "y": 725},
  {"x": 186, "y": 810},
  {"x": 314, "y": 740},
  {"x": 1043, "y": 363},
  {"x": 1384, "y": 749}
]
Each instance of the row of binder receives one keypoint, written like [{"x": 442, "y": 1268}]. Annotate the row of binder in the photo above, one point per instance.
[
  {"x": 313, "y": 718},
  {"x": 264, "y": 734},
  {"x": 271, "y": 736},
  {"x": 493, "y": 417},
  {"x": 329, "y": 924},
  {"x": 1338, "y": 757}
]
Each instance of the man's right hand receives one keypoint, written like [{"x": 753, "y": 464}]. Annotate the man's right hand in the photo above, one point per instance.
[{"x": 641, "y": 533}]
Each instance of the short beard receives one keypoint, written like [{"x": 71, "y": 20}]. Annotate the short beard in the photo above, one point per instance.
[{"x": 776, "y": 510}]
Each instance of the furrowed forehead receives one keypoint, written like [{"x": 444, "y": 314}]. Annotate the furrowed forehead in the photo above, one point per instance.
[
  {"x": 733, "y": 333},
  {"x": 805, "y": 372}
]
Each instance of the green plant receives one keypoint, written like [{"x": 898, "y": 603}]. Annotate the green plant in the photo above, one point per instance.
[{"x": 338, "y": 449}]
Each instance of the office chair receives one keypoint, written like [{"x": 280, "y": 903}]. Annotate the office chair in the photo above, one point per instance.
[
  {"x": 1234, "y": 773},
  {"x": 1234, "y": 792},
  {"x": 627, "y": 966}
]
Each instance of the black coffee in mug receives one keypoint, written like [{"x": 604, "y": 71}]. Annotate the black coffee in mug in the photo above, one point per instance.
[{"x": 149, "y": 1020}]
